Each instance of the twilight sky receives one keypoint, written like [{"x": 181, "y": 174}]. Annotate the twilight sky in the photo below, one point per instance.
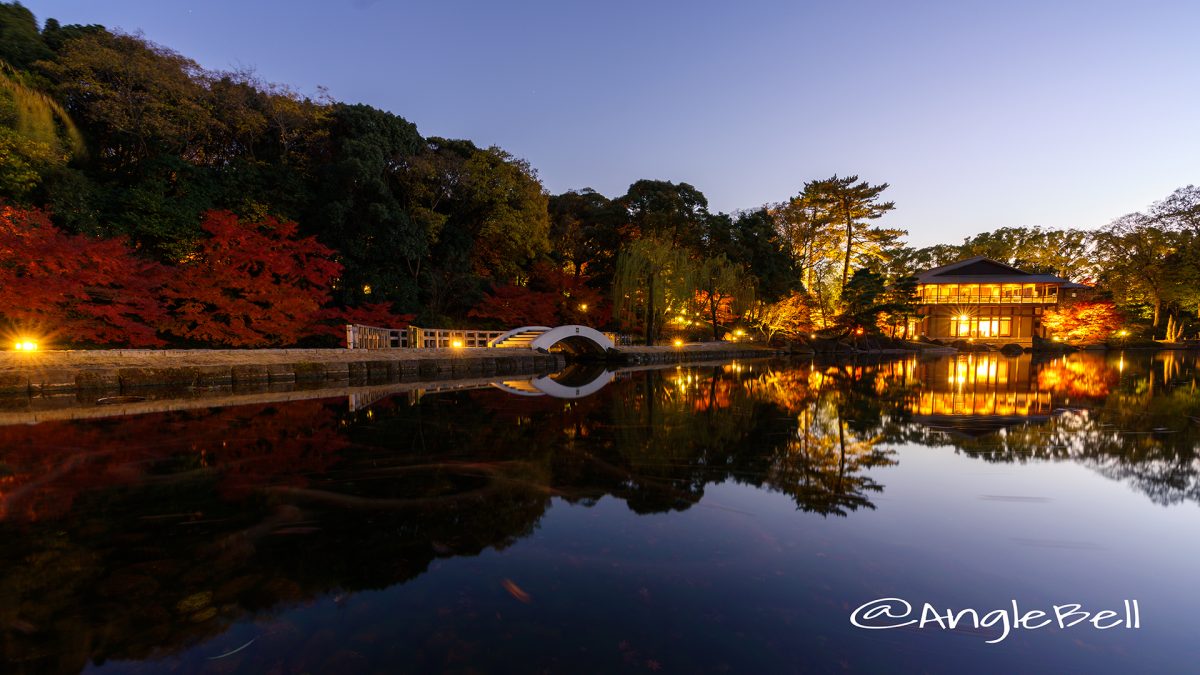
[{"x": 979, "y": 114}]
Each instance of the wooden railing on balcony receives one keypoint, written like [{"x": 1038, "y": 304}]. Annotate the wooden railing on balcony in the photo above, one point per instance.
[{"x": 987, "y": 300}]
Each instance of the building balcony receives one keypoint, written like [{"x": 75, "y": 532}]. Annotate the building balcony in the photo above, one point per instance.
[{"x": 988, "y": 300}]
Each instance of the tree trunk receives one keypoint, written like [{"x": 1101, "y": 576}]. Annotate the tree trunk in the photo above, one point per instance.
[
  {"x": 1157, "y": 310},
  {"x": 712, "y": 310},
  {"x": 650, "y": 311},
  {"x": 849, "y": 244}
]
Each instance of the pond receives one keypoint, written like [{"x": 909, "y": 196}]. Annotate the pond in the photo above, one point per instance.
[{"x": 735, "y": 517}]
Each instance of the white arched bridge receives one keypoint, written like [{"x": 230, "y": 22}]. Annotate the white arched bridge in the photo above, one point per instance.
[
  {"x": 578, "y": 340},
  {"x": 574, "y": 339}
]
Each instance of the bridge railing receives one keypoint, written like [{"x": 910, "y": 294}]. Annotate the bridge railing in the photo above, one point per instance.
[
  {"x": 415, "y": 337},
  {"x": 372, "y": 337},
  {"x": 434, "y": 338}
]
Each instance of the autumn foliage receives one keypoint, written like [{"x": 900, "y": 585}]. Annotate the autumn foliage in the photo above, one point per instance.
[
  {"x": 250, "y": 284},
  {"x": 246, "y": 284},
  {"x": 550, "y": 298},
  {"x": 71, "y": 288},
  {"x": 1083, "y": 320}
]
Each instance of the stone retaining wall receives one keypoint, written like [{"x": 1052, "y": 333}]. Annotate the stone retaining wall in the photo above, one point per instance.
[
  {"x": 125, "y": 371},
  {"x": 56, "y": 373}
]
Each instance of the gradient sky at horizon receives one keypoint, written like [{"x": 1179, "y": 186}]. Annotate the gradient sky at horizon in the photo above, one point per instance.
[{"x": 979, "y": 114}]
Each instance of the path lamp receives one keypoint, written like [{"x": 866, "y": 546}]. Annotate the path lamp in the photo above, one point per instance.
[{"x": 25, "y": 345}]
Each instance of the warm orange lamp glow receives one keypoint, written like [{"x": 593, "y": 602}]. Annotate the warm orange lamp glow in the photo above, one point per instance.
[
  {"x": 25, "y": 345},
  {"x": 678, "y": 342},
  {"x": 456, "y": 343}
]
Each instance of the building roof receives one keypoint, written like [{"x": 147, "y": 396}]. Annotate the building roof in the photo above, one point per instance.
[{"x": 984, "y": 270}]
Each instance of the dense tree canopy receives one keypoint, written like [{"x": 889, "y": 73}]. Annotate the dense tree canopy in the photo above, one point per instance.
[{"x": 114, "y": 141}]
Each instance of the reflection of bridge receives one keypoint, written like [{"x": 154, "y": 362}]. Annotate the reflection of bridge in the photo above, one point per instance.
[
  {"x": 575, "y": 381},
  {"x": 573, "y": 339}
]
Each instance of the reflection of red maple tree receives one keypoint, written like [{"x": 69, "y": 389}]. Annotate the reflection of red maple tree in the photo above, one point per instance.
[
  {"x": 1089, "y": 379},
  {"x": 1083, "y": 320},
  {"x": 74, "y": 289},
  {"x": 48, "y": 466}
]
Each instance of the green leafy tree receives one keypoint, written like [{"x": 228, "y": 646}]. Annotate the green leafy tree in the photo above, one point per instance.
[
  {"x": 361, "y": 210},
  {"x": 135, "y": 100},
  {"x": 20, "y": 41},
  {"x": 724, "y": 290},
  {"x": 1136, "y": 259},
  {"x": 852, "y": 204},
  {"x": 585, "y": 233},
  {"x": 653, "y": 277},
  {"x": 753, "y": 238},
  {"x": 37, "y": 136},
  {"x": 863, "y": 301},
  {"x": 672, "y": 212}
]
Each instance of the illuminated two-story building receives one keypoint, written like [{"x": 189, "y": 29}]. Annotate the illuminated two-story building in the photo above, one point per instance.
[{"x": 986, "y": 300}]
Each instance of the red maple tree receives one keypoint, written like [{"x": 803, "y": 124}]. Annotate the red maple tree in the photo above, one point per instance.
[
  {"x": 1088, "y": 320},
  {"x": 250, "y": 284},
  {"x": 74, "y": 290},
  {"x": 518, "y": 306}
]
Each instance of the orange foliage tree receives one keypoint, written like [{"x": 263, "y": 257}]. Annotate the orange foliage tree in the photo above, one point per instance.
[
  {"x": 1095, "y": 320},
  {"x": 250, "y": 284},
  {"x": 72, "y": 289}
]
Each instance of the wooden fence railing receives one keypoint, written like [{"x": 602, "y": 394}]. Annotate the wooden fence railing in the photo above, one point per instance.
[{"x": 371, "y": 337}]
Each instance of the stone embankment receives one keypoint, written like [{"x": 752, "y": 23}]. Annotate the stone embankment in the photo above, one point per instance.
[{"x": 125, "y": 371}]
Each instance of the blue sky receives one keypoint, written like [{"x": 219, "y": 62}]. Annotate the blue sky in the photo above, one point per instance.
[{"x": 979, "y": 114}]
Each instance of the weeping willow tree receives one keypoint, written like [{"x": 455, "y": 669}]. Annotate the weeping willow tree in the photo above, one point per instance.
[
  {"x": 726, "y": 291},
  {"x": 36, "y": 135},
  {"x": 652, "y": 277}
]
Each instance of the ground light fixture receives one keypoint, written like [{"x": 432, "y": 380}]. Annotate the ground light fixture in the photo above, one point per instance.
[
  {"x": 25, "y": 345},
  {"x": 678, "y": 342},
  {"x": 457, "y": 343}
]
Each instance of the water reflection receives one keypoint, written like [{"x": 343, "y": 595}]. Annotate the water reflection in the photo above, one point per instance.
[{"x": 132, "y": 538}]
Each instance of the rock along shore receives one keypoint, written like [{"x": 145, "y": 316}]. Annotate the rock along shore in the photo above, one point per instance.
[{"x": 127, "y": 370}]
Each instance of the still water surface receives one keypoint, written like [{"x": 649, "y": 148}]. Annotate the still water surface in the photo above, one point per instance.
[{"x": 722, "y": 518}]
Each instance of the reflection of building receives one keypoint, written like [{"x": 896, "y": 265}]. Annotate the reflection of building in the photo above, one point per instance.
[
  {"x": 980, "y": 298},
  {"x": 975, "y": 393}
]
